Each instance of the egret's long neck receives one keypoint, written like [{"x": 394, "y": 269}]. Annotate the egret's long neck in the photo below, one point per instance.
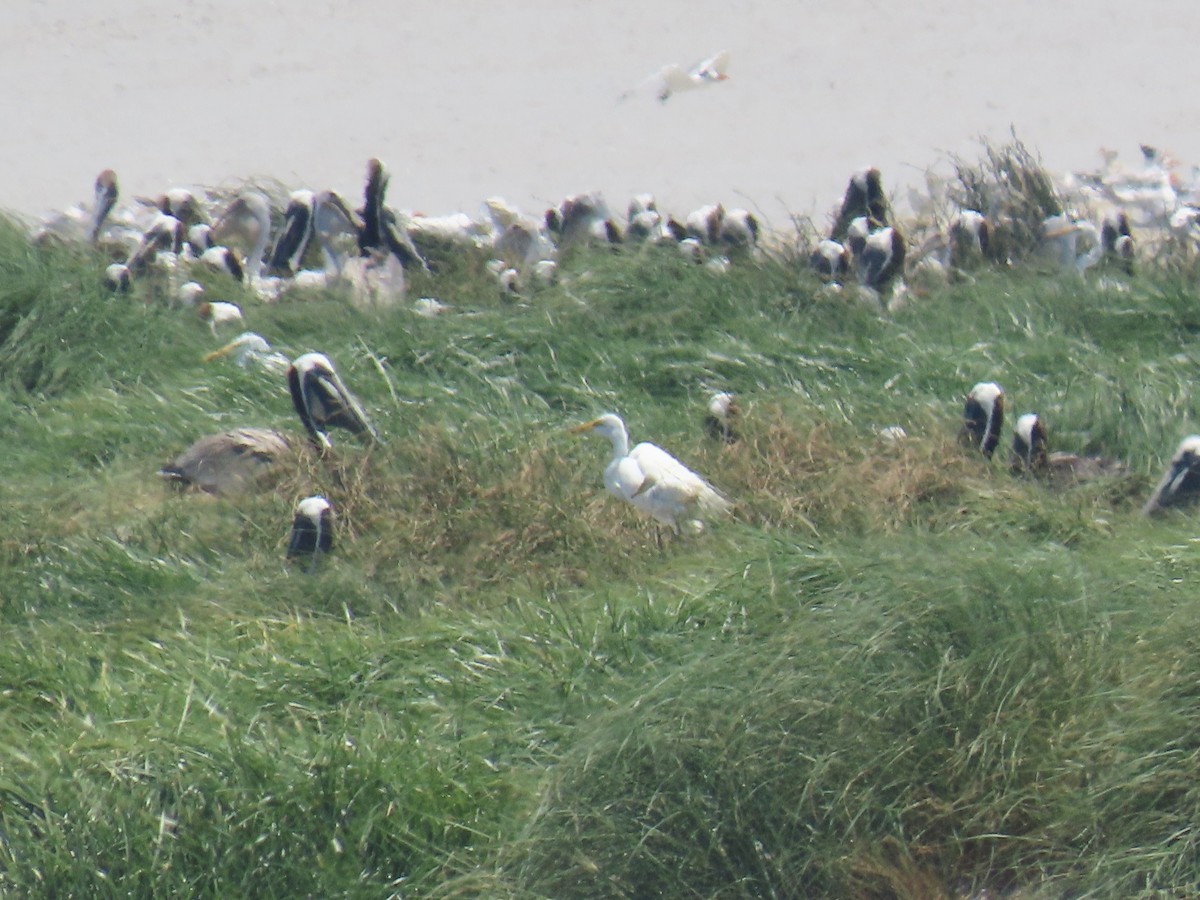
[{"x": 620, "y": 442}]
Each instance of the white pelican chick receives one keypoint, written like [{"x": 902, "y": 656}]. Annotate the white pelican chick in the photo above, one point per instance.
[
  {"x": 322, "y": 400},
  {"x": 228, "y": 463},
  {"x": 312, "y": 529},
  {"x": 654, "y": 481}
]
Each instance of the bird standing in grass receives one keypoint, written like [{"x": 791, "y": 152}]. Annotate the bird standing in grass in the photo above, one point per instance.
[
  {"x": 654, "y": 481},
  {"x": 1181, "y": 482},
  {"x": 721, "y": 415},
  {"x": 312, "y": 530},
  {"x": 322, "y": 400},
  {"x": 983, "y": 416}
]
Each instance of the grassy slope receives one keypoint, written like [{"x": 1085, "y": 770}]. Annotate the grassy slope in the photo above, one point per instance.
[{"x": 898, "y": 671}]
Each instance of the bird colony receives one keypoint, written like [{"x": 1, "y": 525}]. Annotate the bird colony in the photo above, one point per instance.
[{"x": 316, "y": 238}]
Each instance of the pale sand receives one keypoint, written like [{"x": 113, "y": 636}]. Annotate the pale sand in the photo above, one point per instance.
[{"x": 465, "y": 99}]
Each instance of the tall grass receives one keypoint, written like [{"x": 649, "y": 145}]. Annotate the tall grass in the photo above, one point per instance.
[{"x": 896, "y": 671}]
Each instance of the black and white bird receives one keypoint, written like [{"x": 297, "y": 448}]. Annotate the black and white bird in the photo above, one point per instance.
[
  {"x": 380, "y": 232},
  {"x": 1116, "y": 237},
  {"x": 312, "y": 529},
  {"x": 882, "y": 259},
  {"x": 322, "y": 400},
  {"x": 293, "y": 239},
  {"x": 864, "y": 197},
  {"x": 1031, "y": 454},
  {"x": 983, "y": 417},
  {"x": 1181, "y": 482},
  {"x": 831, "y": 260}
]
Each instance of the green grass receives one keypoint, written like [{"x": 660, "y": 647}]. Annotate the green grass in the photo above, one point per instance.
[{"x": 896, "y": 671}]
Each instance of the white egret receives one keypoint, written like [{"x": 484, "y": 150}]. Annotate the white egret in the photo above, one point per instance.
[{"x": 654, "y": 481}]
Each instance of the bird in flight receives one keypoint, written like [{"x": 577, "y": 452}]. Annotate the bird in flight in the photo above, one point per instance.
[{"x": 670, "y": 79}]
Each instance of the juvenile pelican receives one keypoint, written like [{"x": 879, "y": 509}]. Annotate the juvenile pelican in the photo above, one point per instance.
[
  {"x": 322, "y": 400},
  {"x": 654, "y": 481},
  {"x": 228, "y": 463},
  {"x": 293, "y": 240},
  {"x": 983, "y": 417},
  {"x": 312, "y": 529},
  {"x": 247, "y": 220},
  {"x": 1181, "y": 482}
]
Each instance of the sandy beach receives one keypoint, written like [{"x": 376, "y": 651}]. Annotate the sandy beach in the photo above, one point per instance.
[{"x": 466, "y": 100}]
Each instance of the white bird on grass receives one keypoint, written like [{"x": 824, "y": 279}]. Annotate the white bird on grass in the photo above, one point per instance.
[
  {"x": 670, "y": 79},
  {"x": 654, "y": 481}
]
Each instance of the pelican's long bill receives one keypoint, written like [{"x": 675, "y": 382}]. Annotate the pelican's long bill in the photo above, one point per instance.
[{"x": 322, "y": 401}]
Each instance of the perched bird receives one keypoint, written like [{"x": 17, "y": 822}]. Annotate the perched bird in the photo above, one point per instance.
[
  {"x": 654, "y": 481},
  {"x": 228, "y": 463},
  {"x": 1030, "y": 453},
  {"x": 312, "y": 529},
  {"x": 674, "y": 77},
  {"x": 218, "y": 312},
  {"x": 722, "y": 412},
  {"x": 830, "y": 260},
  {"x": 983, "y": 417},
  {"x": 322, "y": 400},
  {"x": 864, "y": 197},
  {"x": 1181, "y": 482},
  {"x": 293, "y": 240},
  {"x": 1116, "y": 238},
  {"x": 1060, "y": 238},
  {"x": 882, "y": 259}
]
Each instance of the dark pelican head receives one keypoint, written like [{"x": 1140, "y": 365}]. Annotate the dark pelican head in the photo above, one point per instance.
[
  {"x": 322, "y": 401},
  {"x": 312, "y": 529},
  {"x": 1181, "y": 482},
  {"x": 1029, "y": 444},
  {"x": 983, "y": 416},
  {"x": 293, "y": 240}
]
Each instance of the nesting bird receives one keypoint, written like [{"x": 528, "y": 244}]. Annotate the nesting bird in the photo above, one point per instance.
[
  {"x": 322, "y": 400},
  {"x": 228, "y": 463},
  {"x": 1181, "y": 482},
  {"x": 1030, "y": 453},
  {"x": 864, "y": 197},
  {"x": 983, "y": 417},
  {"x": 312, "y": 529},
  {"x": 654, "y": 481}
]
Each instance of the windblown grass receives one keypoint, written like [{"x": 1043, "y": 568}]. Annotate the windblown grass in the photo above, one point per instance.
[{"x": 896, "y": 671}]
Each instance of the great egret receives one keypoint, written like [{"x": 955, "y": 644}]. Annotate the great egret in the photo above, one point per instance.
[
  {"x": 654, "y": 481},
  {"x": 674, "y": 77}
]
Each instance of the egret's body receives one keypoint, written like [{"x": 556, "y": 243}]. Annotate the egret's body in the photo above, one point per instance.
[
  {"x": 674, "y": 78},
  {"x": 654, "y": 481}
]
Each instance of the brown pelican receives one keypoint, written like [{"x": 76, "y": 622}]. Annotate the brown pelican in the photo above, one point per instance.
[
  {"x": 117, "y": 278},
  {"x": 830, "y": 260},
  {"x": 721, "y": 414},
  {"x": 654, "y": 481},
  {"x": 1116, "y": 238},
  {"x": 864, "y": 197},
  {"x": 882, "y": 259},
  {"x": 1030, "y": 454},
  {"x": 983, "y": 417},
  {"x": 247, "y": 221},
  {"x": 293, "y": 240},
  {"x": 106, "y": 193},
  {"x": 739, "y": 230},
  {"x": 165, "y": 236},
  {"x": 312, "y": 529},
  {"x": 82, "y": 222},
  {"x": 380, "y": 231},
  {"x": 228, "y": 463},
  {"x": 704, "y": 224},
  {"x": 581, "y": 218},
  {"x": 1181, "y": 482},
  {"x": 322, "y": 400},
  {"x": 225, "y": 259}
]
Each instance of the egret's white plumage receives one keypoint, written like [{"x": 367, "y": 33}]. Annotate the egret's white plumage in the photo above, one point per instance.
[
  {"x": 674, "y": 77},
  {"x": 250, "y": 348},
  {"x": 654, "y": 481}
]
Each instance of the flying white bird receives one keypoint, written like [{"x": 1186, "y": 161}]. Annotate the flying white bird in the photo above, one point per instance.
[
  {"x": 669, "y": 79},
  {"x": 654, "y": 481}
]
